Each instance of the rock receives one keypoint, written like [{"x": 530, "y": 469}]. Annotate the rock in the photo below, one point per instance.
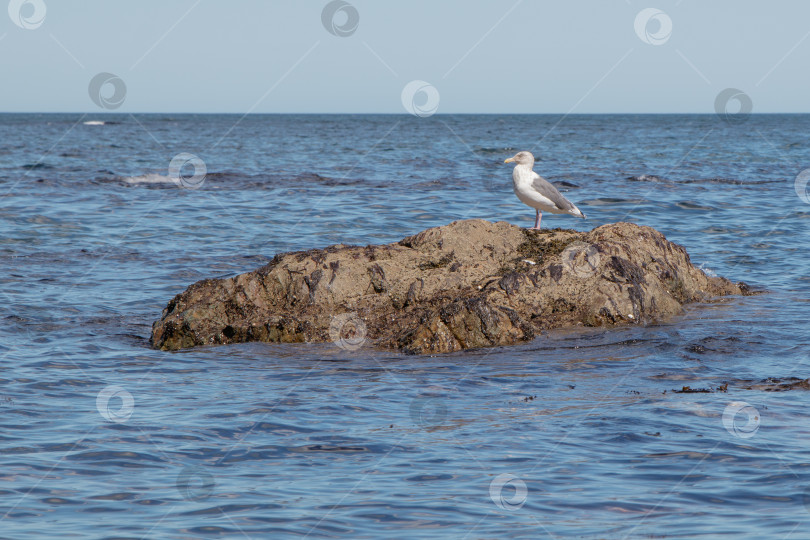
[
  {"x": 775, "y": 384},
  {"x": 468, "y": 284}
]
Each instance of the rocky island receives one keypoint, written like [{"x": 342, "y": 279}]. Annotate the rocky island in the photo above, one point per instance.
[{"x": 468, "y": 284}]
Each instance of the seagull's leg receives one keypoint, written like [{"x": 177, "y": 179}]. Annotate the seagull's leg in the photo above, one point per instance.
[{"x": 537, "y": 219}]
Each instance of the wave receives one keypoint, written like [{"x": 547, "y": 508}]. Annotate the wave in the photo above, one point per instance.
[
  {"x": 717, "y": 180},
  {"x": 645, "y": 178},
  {"x": 238, "y": 180}
]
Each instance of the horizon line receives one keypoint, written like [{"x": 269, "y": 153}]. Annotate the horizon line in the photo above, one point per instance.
[{"x": 103, "y": 113}]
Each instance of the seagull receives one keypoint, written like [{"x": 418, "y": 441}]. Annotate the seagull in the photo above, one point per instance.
[{"x": 535, "y": 191}]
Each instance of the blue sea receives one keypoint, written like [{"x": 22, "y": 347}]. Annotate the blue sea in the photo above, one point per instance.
[{"x": 577, "y": 434}]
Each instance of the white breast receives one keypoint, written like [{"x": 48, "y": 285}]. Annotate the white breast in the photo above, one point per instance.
[{"x": 522, "y": 178}]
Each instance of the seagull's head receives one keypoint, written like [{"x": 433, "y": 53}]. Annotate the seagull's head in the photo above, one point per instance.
[{"x": 522, "y": 158}]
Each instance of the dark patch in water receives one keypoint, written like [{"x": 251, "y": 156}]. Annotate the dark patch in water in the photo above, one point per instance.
[
  {"x": 507, "y": 151},
  {"x": 690, "y": 390},
  {"x": 776, "y": 384},
  {"x": 688, "y": 205},
  {"x": 726, "y": 181}
]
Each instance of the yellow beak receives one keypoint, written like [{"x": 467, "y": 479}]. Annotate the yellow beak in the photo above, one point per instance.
[{"x": 509, "y": 160}]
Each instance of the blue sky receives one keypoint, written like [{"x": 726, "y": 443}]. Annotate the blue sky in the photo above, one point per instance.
[{"x": 512, "y": 56}]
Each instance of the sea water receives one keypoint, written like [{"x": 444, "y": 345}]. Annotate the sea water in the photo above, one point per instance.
[{"x": 575, "y": 434}]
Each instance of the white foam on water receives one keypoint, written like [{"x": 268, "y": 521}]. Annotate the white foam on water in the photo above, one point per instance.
[
  {"x": 708, "y": 271},
  {"x": 94, "y": 123},
  {"x": 151, "y": 178}
]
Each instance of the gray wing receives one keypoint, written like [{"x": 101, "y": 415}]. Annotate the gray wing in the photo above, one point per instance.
[{"x": 547, "y": 190}]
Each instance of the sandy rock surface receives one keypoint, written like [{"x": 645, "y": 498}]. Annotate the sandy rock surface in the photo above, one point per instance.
[{"x": 471, "y": 283}]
